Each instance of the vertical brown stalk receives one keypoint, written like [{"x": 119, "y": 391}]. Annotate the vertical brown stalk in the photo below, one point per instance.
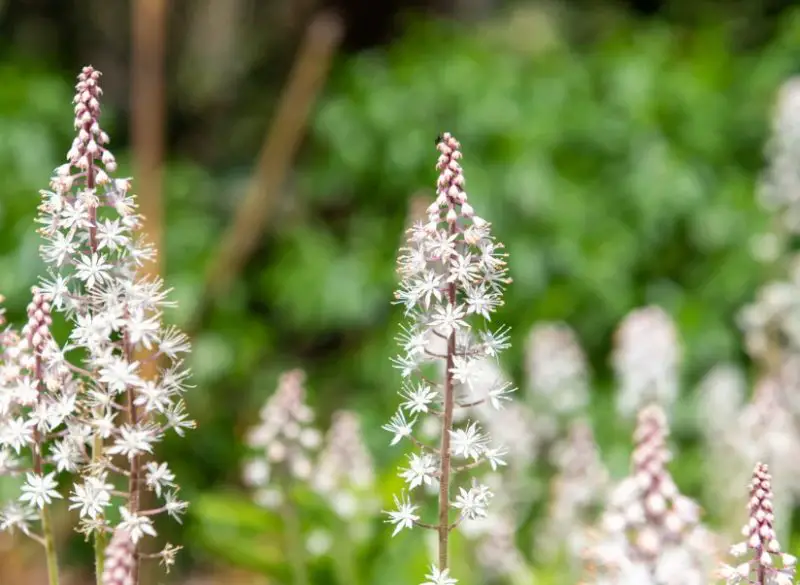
[
  {"x": 38, "y": 468},
  {"x": 133, "y": 479},
  {"x": 148, "y": 115},
  {"x": 277, "y": 152},
  {"x": 447, "y": 425}
]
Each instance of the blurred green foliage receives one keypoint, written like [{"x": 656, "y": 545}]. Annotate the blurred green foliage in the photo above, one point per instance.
[{"x": 618, "y": 171}]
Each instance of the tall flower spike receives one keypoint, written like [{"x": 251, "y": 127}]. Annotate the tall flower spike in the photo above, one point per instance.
[
  {"x": 284, "y": 441},
  {"x": 649, "y": 531},
  {"x": 764, "y": 563},
  {"x": 776, "y": 447},
  {"x": 453, "y": 273},
  {"x": 94, "y": 250}
]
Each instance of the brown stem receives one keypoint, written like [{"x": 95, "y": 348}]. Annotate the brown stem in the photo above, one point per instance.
[
  {"x": 38, "y": 466},
  {"x": 133, "y": 478},
  {"x": 447, "y": 425},
  {"x": 274, "y": 161}
]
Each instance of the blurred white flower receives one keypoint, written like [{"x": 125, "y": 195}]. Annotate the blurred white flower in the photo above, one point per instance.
[{"x": 646, "y": 360}]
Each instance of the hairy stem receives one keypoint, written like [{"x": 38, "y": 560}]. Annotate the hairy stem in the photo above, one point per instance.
[{"x": 447, "y": 426}]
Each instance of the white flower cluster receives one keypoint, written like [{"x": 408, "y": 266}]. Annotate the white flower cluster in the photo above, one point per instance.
[
  {"x": 649, "y": 533},
  {"x": 771, "y": 323},
  {"x": 578, "y": 491},
  {"x": 285, "y": 440},
  {"x": 344, "y": 471},
  {"x": 646, "y": 358},
  {"x": 101, "y": 401},
  {"x": 557, "y": 369},
  {"x": 453, "y": 276},
  {"x": 779, "y": 190}
]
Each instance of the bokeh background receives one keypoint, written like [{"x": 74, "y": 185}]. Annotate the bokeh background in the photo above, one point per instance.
[{"x": 279, "y": 148}]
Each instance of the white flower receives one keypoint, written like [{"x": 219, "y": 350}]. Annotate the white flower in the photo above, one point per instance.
[
  {"x": 16, "y": 516},
  {"x": 495, "y": 342},
  {"x": 111, "y": 235},
  {"x": 421, "y": 469},
  {"x": 133, "y": 441},
  {"x": 463, "y": 369},
  {"x": 399, "y": 426},
  {"x": 414, "y": 341},
  {"x": 16, "y": 433},
  {"x": 473, "y": 502},
  {"x": 158, "y": 476},
  {"x": 92, "y": 496},
  {"x": 60, "y": 248},
  {"x": 39, "y": 489},
  {"x": 137, "y": 526},
  {"x": 430, "y": 285},
  {"x": 418, "y": 399},
  {"x": 449, "y": 317},
  {"x": 174, "y": 506},
  {"x": 500, "y": 393},
  {"x": 65, "y": 455},
  {"x": 495, "y": 457},
  {"x": 404, "y": 516},
  {"x": 119, "y": 374},
  {"x": 468, "y": 443},
  {"x": 173, "y": 342},
  {"x": 482, "y": 302},
  {"x": 143, "y": 329},
  {"x": 437, "y": 577},
  {"x": 92, "y": 269}
]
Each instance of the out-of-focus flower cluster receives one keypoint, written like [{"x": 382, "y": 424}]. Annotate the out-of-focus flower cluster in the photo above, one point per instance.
[
  {"x": 649, "y": 533},
  {"x": 344, "y": 472},
  {"x": 289, "y": 453},
  {"x": 646, "y": 358},
  {"x": 285, "y": 439},
  {"x": 578, "y": 493}
]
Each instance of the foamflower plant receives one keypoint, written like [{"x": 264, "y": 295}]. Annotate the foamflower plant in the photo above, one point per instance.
[{"x": 453, "y": 275}]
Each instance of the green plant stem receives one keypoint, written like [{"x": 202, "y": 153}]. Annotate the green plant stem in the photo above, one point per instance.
[
  {"x": 345, "y": 556},
  {"x": 49, "y": 548},
  {"x": 294, "y": 537},
  {"x": 99, "y": 536}
]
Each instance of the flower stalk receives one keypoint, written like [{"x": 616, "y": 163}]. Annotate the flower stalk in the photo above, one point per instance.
[{"x": 453, "y": 275}]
